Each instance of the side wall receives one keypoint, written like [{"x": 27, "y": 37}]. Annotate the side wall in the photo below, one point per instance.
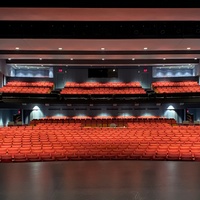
[
  {"x": 60, "y": 75},
  {"x": 38, "y": 111},
  {"x": 80, "y": 74}
]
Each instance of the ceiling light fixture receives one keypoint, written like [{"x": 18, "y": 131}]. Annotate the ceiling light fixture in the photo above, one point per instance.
[
  {"x": 133, "y": 58},
  {"x": 188, "y": 48},
  {"x": 17, "y": 48},
  {"x": 102, "y": 59},
  {"x": 102, "y": 48},
  {"x": 145, "y": 48},
  {"x": 59, "y": 48}
]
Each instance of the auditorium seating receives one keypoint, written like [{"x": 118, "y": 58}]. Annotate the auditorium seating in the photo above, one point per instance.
[
  {"x": 104, "y": 121},
  {"x": 103, "y": 88},
  {"x": 64, "y": 138},
  {"x": 176, "y": 87},
  {"x": 39, "y": 87}
]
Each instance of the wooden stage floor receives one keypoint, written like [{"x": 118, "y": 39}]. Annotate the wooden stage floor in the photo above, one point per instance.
[{"x": 100, "y": 180}]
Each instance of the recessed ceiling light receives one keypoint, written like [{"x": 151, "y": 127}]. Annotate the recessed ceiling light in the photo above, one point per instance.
[
  {"x": 9, "y": 58},
  {"x": 188, "y": 48},
  {"x": 113, "y": 70},
  {"x": 71, "y": 58},
  {"x": 102, "y": 48},
  {"x": 40, "y": 58},
  {"x": 59, "y": 48},
  {"x": 145, "y": 48},
  {"x": 164, "y": 58},
  {"x": 17, "y": 48},
  {"x": 102, "y": 59},
  {"x": 195, "y": 58},
  {"x": 133, "y": 58}
]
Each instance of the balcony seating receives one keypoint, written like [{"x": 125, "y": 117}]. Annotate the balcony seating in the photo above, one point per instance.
[
  {"x": 42, "y": 87},
  {"x": 176, "y": 87},
  {"x": 103, "y": 88}
]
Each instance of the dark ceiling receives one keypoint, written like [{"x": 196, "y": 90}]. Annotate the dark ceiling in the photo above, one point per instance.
[
  {"x": 104, "y": 4},
  {"x": 100, "y": 33}
]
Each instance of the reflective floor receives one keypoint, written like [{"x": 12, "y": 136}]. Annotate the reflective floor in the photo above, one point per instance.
[{"x": 100, "y": 180}]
